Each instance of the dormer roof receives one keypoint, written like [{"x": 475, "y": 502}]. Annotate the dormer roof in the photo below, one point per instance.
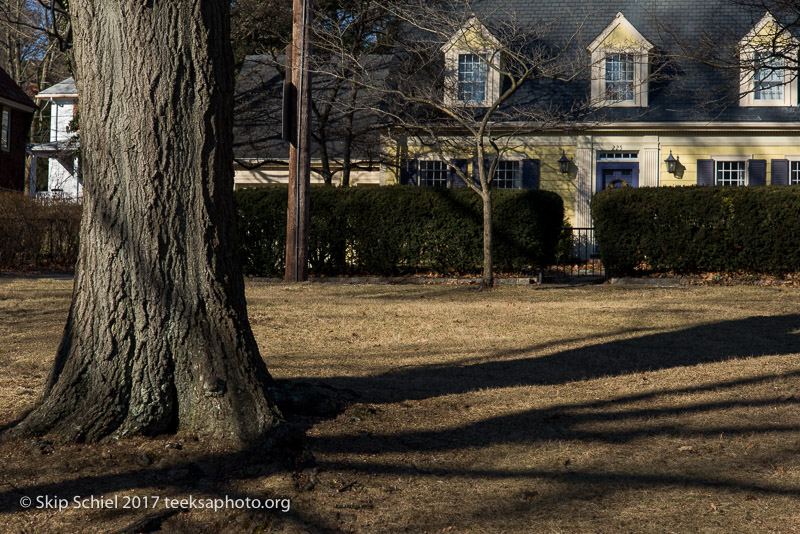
[
  {"x": 625, "y": 34},
  {"x": 473, "y": 29},
  {"x": 762, "y": 30}
]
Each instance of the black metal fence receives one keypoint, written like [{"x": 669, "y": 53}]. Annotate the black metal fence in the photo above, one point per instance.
[{"x": 578, "y": 257}]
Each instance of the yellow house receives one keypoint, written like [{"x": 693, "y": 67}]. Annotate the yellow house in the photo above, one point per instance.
[{"x": 653, "y": 105}]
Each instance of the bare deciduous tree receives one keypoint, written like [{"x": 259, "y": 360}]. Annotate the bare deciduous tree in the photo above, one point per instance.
[
  {"x": 534, "y": 80},
  {"x": 343, "y": 122},
  {"x": 32, "y": 50},
  {"x": 157, "y": 337}
]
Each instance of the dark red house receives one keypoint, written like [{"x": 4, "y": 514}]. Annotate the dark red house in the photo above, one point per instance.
[{"x": 16, "y": 114}]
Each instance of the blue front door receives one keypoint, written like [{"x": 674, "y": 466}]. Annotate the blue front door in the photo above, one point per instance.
[
  {"x": 617, "y": 175},
  {"x": 617, "y": 178}
]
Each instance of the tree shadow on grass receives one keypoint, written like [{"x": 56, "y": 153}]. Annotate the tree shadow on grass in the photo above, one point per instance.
[
  {"x": 220, "y": 474},
  {"x": 572, "y": 422},
  {"x": 217, "y": 474},
  {"x": 708, "y": 343},
  {"x": 211, "y": 475}
]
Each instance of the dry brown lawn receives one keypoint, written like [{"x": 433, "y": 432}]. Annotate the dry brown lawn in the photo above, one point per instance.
[{"x": 567, "y": 409}]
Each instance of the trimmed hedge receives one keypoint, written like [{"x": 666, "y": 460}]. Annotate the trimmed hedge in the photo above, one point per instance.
[
  {"x": 38, "y": 234},
  {"x": 397, "y": 229},
  {"x": 697, "y": 229}
]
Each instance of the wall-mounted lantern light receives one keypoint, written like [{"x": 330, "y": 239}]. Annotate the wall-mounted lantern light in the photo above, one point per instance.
[
  {"x": 563, "y": 163},
  {"x": 670, "y": 161}
]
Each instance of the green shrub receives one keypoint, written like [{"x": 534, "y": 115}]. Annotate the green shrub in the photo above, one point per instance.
[
  {"x": 393, "y": 230},
  {"x": 566, "y": 243},
  {"x": 697, "y": 229}
]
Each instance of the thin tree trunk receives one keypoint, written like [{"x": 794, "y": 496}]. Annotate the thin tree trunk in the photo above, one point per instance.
[
  {"x": 488, "y": 277},
  {"x": 157, "y": 337},
  {"x": 347, "y": 151}
]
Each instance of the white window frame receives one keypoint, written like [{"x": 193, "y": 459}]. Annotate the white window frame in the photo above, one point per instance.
[
  {"x": 617, "y": 155},
  {"x": 793, "y": 161},
  {"x": 481, "y": 70},
  {"x": 641, "y": 66},
  {"x": 426, "y": 161},
  {"x": 5, "y": 130},
  {"x": 472, "y": 39},
  {"x": 515, "y": 170},
  {"x": 748, "y": 56},
  {"x": 794, "y": 174},
  {"x": 771, "y": 80},
  {"x": 623, "y": 80},
  {"x": 732, "y": 159}
]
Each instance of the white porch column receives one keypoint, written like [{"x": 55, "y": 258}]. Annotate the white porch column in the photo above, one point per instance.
[
  {"x": 583, "y": 188},
  {"x": 648, "y": 167}
]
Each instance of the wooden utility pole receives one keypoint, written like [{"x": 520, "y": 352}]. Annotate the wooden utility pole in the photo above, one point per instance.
[{"x": 297, "y": 216}]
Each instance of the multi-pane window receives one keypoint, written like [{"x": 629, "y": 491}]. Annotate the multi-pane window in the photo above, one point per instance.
[
  {"x": 617, "y": 155},
  {"x": 5, "y": 131},
  {"x": 507, "y": 175},
  {"x": 619, "y": 77},
  {"x": 731, "y": 173},
  {"x": 794, "y": 173},
  {"x": 471, "y": 78},
  {"x": 433, "y": 173},
  {"x": 768, "y": 77}
]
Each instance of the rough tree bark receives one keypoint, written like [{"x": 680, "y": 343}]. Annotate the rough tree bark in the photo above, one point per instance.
[{"x": 157, "y": 337}]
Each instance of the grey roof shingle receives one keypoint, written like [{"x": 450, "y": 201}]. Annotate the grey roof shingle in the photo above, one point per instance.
[
  {"x": 687, "y": 90},
  {"x": 10, "y": 90},
  {"x": 257, "y": 113},
  {"x": 62, "y": 88}
]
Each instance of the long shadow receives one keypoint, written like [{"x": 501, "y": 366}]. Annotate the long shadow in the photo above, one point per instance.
[
  {"x": 569, "y": 422},
  {"x": 216, "y": 474},
  {"x": 608, "y": 479},
  {"x": 212, "y": 475},
  {"x": 714, "y": 342}
]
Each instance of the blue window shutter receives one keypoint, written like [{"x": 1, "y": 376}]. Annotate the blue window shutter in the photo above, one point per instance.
[
  {"x": 705, "y": 172},
  {"x": 455, "y": 179},
  {"x": 530, "y": 174},
  {"x": 780, "y": 172},
  {"x": 758, "y": 172},
  {"x": 409, "y": 172}
]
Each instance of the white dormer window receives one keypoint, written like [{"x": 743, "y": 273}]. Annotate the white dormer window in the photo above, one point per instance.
[
  {"x": 472, "y": 63},
  {"x": 620, "y": 65},
  {"x": 471, "y": 78},
  {"x": 620, "y": 79},
  {"x": 765, "y": 53},
  {"x": 768, "y": 78}
]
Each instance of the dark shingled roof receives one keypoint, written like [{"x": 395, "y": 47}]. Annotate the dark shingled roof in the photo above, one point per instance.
[
  {"x": 257, "y": 113},
  {"x": 10, "y": 90},
  {"x": 688, "y": 90},
  {"x": 257, "y": 110}
]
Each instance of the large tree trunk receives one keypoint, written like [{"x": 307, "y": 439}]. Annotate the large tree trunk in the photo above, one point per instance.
[{"x": 157, "y": 337}]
